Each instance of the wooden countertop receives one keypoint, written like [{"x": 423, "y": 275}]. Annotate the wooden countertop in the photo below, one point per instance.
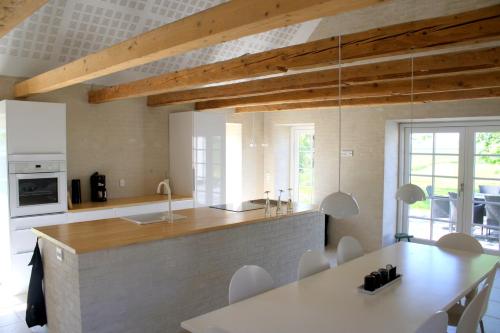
[
  {"x": 98, "y": 235},
  {"x": 124, "y": 202}
]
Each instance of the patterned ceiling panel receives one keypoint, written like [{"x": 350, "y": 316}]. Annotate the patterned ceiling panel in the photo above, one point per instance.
[{"x": 65, "y": 30}]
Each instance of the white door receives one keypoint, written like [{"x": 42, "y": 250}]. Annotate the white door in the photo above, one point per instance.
[
  {"x": 458, "y": 166},
  {"x": 435, "y": 164},
  {"x": 482, "y": 186}
]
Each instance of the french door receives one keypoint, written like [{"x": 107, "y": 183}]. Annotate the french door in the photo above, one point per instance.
[{"x": 458, "y": 166}]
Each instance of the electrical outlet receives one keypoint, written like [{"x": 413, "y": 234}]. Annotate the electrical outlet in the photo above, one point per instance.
[
  {"x": 122, "y": 182},
  {"x": 59, "y": 254}
]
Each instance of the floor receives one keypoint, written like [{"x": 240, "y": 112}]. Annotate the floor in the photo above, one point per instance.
[{"x": 12, "y": 308}]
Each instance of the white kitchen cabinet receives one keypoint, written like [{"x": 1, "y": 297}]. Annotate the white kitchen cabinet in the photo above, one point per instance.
[
  {"x": 25, "y": 128},
  {"x": 35, "y": 127},
  {"x": 20, "y": 273},
  {"x": 23, "y": 240},
  {"x": 28, "y": 222},
  {"x": 144, "y": 208},
  {"x": 198, "y": 156},
  {"x": 91, "y": 215}
]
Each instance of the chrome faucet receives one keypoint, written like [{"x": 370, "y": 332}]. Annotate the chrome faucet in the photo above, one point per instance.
[
  {"x": 278, "y": 204},
  {"x": 164, "y": 188},
  {"x": 267, "y": 208},
  {"x": 289, "y": 204}
]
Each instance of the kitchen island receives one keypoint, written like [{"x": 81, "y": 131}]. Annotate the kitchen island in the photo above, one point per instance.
[{"x": 117, "y": 276}]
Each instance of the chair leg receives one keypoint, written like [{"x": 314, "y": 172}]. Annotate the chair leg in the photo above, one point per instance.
[{"x": 481, "y": 324}]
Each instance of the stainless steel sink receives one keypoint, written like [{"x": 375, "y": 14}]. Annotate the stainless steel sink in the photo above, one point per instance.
[{"x": 153, "y": 218}]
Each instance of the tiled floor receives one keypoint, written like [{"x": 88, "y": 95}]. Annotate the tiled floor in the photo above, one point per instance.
[
  {"x": 12, "y": 314},
  {"x": 12, "y": 309}
]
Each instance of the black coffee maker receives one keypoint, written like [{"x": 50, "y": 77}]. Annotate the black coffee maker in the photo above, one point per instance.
[{"x": 98, "y": 187}]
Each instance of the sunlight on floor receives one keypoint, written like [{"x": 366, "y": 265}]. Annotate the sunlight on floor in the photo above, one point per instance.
[{"x": 12, "y": 314}]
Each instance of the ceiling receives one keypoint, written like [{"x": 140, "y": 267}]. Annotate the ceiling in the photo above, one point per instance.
[{"x": 65, "y": 30}]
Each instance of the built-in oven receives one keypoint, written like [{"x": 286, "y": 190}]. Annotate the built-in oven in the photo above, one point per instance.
[{"x": 37, "y": 184}]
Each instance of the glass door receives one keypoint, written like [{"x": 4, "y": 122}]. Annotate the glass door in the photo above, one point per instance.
[
  {"x": 434, "y": 162},
  {"x": 482, "y": 204},
  {"x": 458, "y": 166}
]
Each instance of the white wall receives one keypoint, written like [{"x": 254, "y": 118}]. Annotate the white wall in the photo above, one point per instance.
[{"x": 364, "y": 131}]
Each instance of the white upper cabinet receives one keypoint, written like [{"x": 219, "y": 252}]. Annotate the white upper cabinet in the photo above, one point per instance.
[
  {"x": 35, "y": 127},
  {"x": 198, "y": 156}
]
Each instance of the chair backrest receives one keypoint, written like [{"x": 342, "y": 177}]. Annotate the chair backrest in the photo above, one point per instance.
[
  {"x": 453, "y": 206},
  {"x": 249, "y": 281},
  {"x": 312, "y": 262},
  {"x": 348, "y": 249},
  {"x": 460, "y": 241},
  {"x": 489, "y": 189},
  {"x": 492, "y": 208},
  {"x": 472, "y": 314},
  {"x": 438, "y": 323},
  {"x": 488, "y": 282}
]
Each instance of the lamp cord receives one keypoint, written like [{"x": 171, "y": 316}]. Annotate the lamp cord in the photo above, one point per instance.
[
  {"x": 411, "y": 118},
  {"x": 340, "y": 107}
]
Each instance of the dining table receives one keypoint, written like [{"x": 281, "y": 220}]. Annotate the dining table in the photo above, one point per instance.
[{"x": 432, "y": 279}]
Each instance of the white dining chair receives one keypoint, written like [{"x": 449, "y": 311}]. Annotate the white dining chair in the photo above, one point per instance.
[
  {"x": 438, "y": 323},
  {"x": 463, "y": 242},
  {"x": 472, "y": 315},
  {"x": 456, "y": 312},
  {"x": 348, "y": 249},
  {"x": 248, "y": 281},
  {"x": 460, "y": 241},
  {"x": 312, "y": 262}
]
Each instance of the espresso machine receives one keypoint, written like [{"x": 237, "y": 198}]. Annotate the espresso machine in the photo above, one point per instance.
[{"x": 98, "y": 187}]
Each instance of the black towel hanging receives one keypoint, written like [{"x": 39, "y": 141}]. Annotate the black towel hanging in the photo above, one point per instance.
[{"x": 35, "y": 310}]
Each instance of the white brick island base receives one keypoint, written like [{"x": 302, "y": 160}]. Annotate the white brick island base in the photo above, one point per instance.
[{"x": 152, "y": 287}]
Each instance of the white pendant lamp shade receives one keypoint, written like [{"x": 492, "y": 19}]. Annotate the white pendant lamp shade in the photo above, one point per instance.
[
  {"x": 339, "y": 205},
  {"x": 410, "y": 193}
]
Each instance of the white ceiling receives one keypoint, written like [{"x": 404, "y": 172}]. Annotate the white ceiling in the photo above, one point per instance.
[{"x": 64, "y": 30}]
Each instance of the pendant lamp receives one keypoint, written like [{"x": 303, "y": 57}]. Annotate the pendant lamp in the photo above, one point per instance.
[
  {"x": 410, "y": 193},
  {"x": 339, "y": 205}
]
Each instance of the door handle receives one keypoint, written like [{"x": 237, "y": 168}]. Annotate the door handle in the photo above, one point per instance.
[{"x": 461, "y": 190}]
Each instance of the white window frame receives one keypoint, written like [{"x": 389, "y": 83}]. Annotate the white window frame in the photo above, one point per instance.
[{"x": 295, "y": 131}]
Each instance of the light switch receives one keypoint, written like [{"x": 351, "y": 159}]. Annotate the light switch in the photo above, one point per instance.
[
  {"x": 347, "y": 153},
  {"x": 59, "y": 254}
]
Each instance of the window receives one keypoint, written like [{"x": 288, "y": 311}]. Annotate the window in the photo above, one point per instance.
[
  {"x": 302, "y": 163},
  {"x": 458, "y": 166}
]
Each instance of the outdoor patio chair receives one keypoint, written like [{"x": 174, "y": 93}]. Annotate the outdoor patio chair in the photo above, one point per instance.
[
  {"x": 440, "y": 204},
  {"x": 489, "y": 189},
  {"x": 492, "y": 207}
]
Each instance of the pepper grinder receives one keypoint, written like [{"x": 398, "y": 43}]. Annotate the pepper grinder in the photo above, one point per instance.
[
  {"x": 267, "y": 208},
  {"x": 289, "y": 205},
  {"x": 278, "y": 204}
]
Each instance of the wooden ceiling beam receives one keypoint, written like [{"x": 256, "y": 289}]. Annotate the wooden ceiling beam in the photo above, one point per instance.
[
  {"x": 228, "y": 21},
  {"x": 424, "y": 66},
  {"x": 437, "y": 33},
  {"x": 13, "y": 12},
  {"x": 374, "y": 101},
  {"x": 390, "y": 88}
]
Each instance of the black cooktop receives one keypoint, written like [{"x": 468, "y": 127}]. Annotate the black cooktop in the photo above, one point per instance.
[{"x": 239, "y": 207}]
